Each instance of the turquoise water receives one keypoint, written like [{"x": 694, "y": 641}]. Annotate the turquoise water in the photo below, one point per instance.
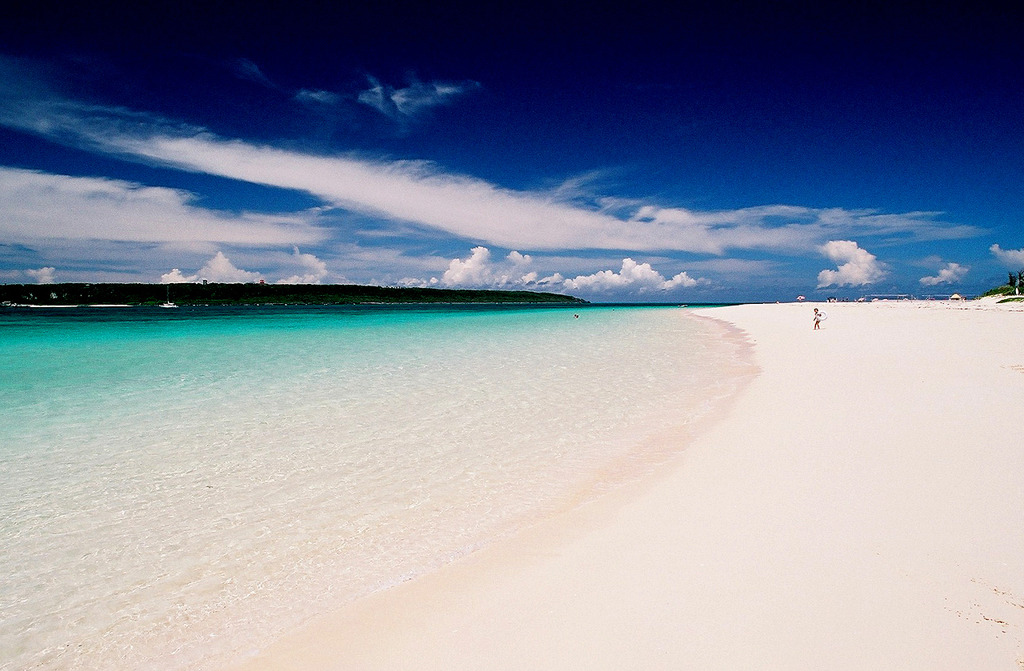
[{"x": 180, "y": 486}]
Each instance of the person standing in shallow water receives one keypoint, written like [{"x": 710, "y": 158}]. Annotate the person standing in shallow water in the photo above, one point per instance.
[{"x": 817, "y": 319}]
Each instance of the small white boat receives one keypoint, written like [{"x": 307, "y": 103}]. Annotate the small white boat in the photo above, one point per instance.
[{"x": 168, "y": 303}]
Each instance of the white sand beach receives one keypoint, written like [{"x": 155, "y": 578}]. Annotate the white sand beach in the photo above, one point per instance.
[{"x": 860, "y": 505}]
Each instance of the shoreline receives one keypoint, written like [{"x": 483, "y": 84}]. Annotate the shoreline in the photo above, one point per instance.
[{"x": 857, "y": 506}]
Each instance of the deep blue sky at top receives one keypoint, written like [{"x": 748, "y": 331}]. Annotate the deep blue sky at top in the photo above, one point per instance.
[{"x": 896, "y": 131}]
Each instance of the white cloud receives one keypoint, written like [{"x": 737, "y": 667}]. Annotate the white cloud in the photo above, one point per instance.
[
  {"x": 782, "y": 227},
  {"x": 475, "y": 270},
  {"x": 177, "y": 277},
  {"x": 217, "y": 269},
  {"x": 220, "y": 269},
  {"x": 422, "y": 194},
  {"x": 41, "y": 206},
  {"x": 479, "y": 271},
  {"x": 1011, "y": 258},
  {"x": 410, "y": 191},
  {"x": 315, "y": 269},
  {"x": 681, "y": 280},
  {"x": 318, "y": 97},
  {"x": 948, "y": 274},
  {"x": 412, "y": 100},
  {"x": 857, "y": 266},
  {"x": 634, "y": 276},
  {"x": 42, "y": 275}
]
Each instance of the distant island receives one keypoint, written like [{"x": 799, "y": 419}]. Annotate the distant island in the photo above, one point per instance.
[{"x": 256, "y": 294}]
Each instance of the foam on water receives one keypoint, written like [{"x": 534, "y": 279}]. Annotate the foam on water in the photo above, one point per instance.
[{"x": 178, "y": 489}]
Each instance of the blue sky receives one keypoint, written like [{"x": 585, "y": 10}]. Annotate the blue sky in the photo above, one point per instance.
[{"x": 741, "y": 152}]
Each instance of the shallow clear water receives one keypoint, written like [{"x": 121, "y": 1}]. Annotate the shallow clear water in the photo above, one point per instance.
[{"x": 180, "y": 486}]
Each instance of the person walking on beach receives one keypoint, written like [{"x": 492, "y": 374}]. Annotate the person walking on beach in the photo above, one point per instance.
[{"x": 817, "y": 319}]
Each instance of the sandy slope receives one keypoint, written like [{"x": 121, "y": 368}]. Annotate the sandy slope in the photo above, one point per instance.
[{"x": 861, "y": 506}]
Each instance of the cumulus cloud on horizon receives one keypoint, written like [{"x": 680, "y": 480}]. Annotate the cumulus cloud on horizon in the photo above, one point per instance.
[
  {"x": 948, "y": 274},
  {"x": 479, "y": 270},
  {"x": 313, "y": 269},
  {"x": 639, "y": 277},
  {"x": 42, "y": 275},
  {"x": 857, "y": 266},
  {"x": 217, "y": 269}
]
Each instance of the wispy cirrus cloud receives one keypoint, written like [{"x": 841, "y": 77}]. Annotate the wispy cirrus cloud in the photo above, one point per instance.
[
  {"x": 243, "y": 68},
  {"x": 404, "y": 199},
  {"x": 400, "y": 104},
  {"x": 42, "y": 206},
  {"x": 416, "y": 98},
  {"x": 792, "y": 227},
  {"x": 318, "y": 97},
  {"x": 423, "y": 194}
]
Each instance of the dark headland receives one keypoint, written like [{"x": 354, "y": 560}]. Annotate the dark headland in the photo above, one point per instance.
[{"x": 253, "y": 294}]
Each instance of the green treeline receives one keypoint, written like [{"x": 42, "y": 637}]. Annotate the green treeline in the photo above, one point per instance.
[
  {"x": 1013, "y": 287},
  {"x": 251, "y": 294}
]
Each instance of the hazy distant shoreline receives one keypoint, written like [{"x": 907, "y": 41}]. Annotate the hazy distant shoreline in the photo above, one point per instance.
[{"x": 74, "y": 294}]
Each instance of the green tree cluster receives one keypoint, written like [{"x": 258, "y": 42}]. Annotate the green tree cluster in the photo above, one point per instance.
[
  {"x": 254, "y": 294},
  {"x": 1016, "y": 281}
]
